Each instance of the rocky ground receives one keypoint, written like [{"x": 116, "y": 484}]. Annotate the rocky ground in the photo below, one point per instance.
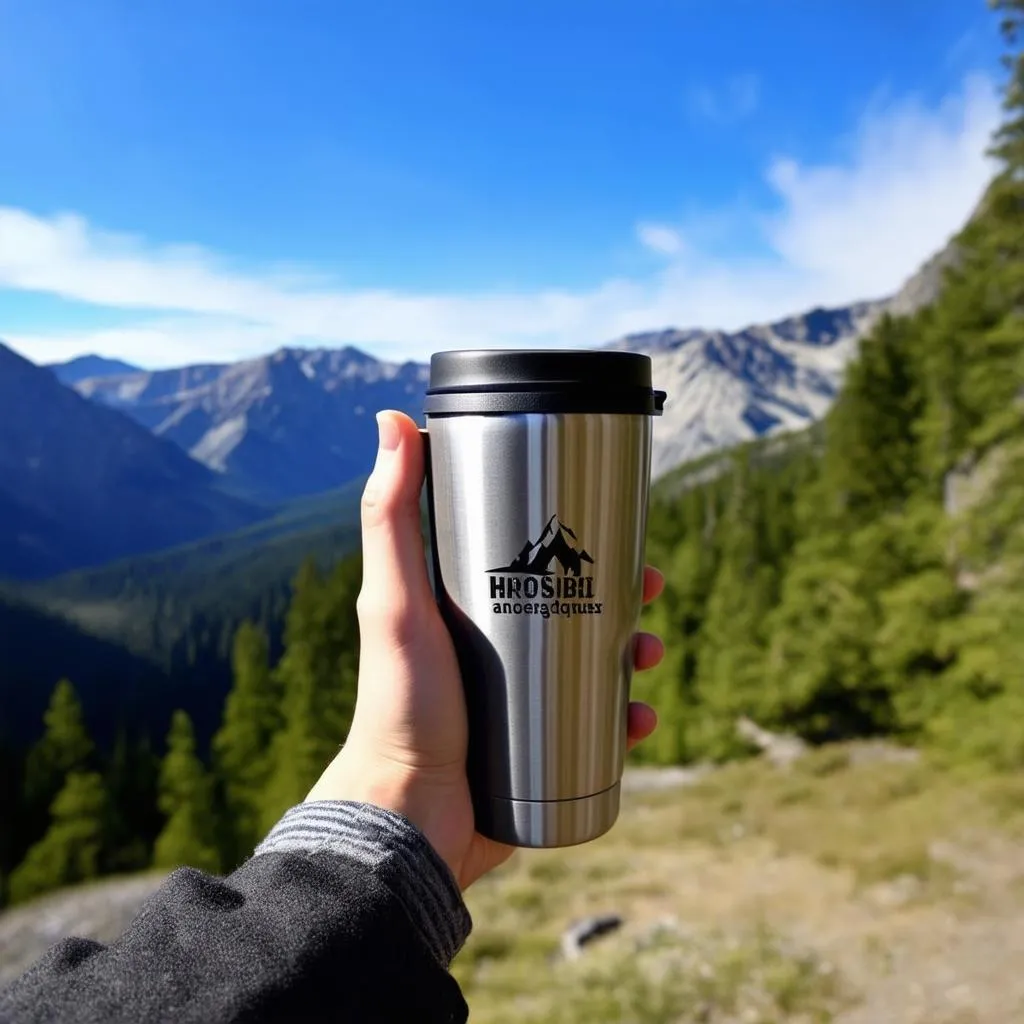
[
  {"x": 855, "y": 885},
  {"x": 99, "y": 911}
]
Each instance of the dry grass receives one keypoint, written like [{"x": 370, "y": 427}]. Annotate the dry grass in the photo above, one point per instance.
[
  {"x": 793, "y": 896},
  {"x": 851, "y": 888},
  {"x": 669, "y": 978}
]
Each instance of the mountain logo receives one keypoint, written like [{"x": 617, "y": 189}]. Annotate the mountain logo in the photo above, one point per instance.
[
  {"x": 533, "y": 573},
  {"x": 557, "y": 543}
]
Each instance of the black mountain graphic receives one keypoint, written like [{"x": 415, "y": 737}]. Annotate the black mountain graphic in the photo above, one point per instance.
[{"x": 557, "y": 542}]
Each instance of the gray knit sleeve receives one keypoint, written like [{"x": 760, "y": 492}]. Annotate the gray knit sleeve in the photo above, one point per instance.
[{"x": 397, "y": 853}]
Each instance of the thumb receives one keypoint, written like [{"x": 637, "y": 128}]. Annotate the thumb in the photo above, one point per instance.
[{"x": 395, "y": 582}]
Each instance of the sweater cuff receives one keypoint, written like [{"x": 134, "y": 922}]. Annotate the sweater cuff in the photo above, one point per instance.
[{"x": 395, "y": 851}]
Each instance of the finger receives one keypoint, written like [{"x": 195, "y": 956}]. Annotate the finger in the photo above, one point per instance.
[
  {"x": 641, "y": 722},
  {"x": 654, "y": 583},
  {"x": 648, "y": 651},
  {"x": 395, "y": 580}
]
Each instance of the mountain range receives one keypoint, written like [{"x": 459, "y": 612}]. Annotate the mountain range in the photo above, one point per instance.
[
  {"x": 84, "y": 367},
  {"x": 728, "y": 388},
  {"x": 724, "y": 389},
  {"x": 100, "y": 459},
  {"x": 299, "y": 421},
  {"x": 295, "y": 422}
]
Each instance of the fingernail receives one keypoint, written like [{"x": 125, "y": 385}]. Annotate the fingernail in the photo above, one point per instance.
[{"x": 389, "y": 434}]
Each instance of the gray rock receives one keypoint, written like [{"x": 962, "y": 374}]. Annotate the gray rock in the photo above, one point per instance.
[
  {"x": 648, "y": 779},
  {"x": 665, "y": 928},
  {"x": 924, "y": 287},
  {"x": 101, "y": 911},
  {"x": 582, "y": 933},
  {"x": 896, "y": 893},
  {"x": 781, "y": 749},
  {"x": 881, "y": 751},
  {"x": 970, "y": 483}
]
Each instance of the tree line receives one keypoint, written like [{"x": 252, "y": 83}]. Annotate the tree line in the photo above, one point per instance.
[
  {"x": 74, "y": 812},
  {"x": 146, "y": 635}
]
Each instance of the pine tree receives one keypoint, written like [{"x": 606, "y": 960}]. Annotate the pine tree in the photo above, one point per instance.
[
  {"x": 818, "y": 676},
  {"x": 186, "y": 801},
  {"x": 1009, "y": 140},
  {"x": 976, "y": 352},
  {"x": 668, "y": 687},
  {"x": 70, "y": 850},
  {"x": 729, "y": 669},
  {"x": 317, "y": 674},
  {"x": 975, "y": 704},
  {"x": 872, "y": 460},
  {"x": 131, "y": 781},
  {"x": 64, "y": 747},
  {"x": 915, "y": 645},
  {"x": 676, "y": 544},
  {"x": 242, "y": 745}
]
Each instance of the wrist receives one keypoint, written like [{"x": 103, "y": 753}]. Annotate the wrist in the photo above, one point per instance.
[
  {"x": 425, "y": 797},
  {"x": 388, "y": 845}
]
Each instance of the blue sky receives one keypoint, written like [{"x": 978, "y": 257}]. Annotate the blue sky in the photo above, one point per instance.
[{"x": 209, "y": 179}]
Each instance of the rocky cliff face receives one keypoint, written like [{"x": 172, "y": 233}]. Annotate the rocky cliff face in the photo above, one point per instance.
[
  {"x": 724, "y": 389},
  {"x": 293, "y": 422}
]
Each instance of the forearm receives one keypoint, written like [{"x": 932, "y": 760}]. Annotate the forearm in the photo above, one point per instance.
[{"x": 343, "y": 913}]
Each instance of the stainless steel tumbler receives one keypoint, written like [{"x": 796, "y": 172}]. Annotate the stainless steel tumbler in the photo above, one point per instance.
[{"x": 538, "y": 489}]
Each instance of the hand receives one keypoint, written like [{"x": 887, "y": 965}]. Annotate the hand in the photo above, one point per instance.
[{"x": 406, "y": 750}]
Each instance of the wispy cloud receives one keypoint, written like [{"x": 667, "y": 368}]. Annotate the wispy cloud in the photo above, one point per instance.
[
  {"x": 975, "y": 48},
  {"x": 660, "y": 238},
  {"x": 733, "y": 100},
  {"x": 852, "y": 228},
  {"x": 964, "y": 48}
]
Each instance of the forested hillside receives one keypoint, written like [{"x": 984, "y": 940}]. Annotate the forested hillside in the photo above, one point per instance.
[
  {"x": 144, "y": 635},
  {"x": 871, "y": 579},
  {"x": 74, "y": 808}
]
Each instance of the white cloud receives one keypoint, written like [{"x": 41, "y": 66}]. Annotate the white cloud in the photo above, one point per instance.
[
  {"x": 853, "y": 228},
  {"x": 170, "y": 341},
  {"x": 660, "y": 238},
  {"x": 916, "y": 176},
  {"x": 735, "y": 99}
]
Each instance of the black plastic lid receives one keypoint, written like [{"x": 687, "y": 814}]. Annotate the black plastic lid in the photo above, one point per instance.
[{"x": 549, "y": 381}]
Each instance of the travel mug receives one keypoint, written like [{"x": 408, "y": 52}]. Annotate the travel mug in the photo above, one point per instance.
[{"x": 539, "y": 471}]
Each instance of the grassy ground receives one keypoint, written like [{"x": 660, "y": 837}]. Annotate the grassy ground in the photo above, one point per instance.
[{"x": 856, "y": 886}]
